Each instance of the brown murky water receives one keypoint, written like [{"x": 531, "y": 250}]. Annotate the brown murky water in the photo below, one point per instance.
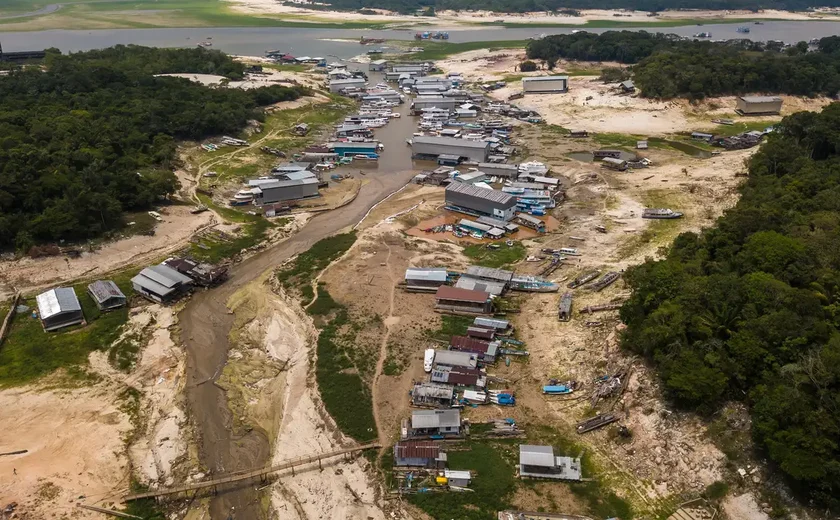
[{"x": 206, "y": 325}]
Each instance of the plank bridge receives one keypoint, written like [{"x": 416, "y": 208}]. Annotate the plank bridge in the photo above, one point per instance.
[{"x": 239, "y": 476}]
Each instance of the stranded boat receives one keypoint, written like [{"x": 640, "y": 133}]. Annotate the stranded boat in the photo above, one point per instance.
[
  {"x": 588, "y": 277},
  {"x": 660, "y": 213}
]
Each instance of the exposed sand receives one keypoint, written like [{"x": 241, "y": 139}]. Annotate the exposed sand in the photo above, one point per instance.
[
  {"x": 77, "y": 437},
  {"x": 743, "y": 507},
  {"x": 459, "y": 18},
  {"x": 28, "y": 274}
]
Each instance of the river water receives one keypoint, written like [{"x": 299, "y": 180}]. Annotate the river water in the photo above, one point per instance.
[{"x": 253, "y": 41}]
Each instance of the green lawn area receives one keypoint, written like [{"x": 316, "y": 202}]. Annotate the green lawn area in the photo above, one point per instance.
[
  {"x": 95, "y": 14},
  {"x": 503, "y": 256},
  {"x": 450, "y": 326},
  {"x": 29, "y": 353},
  {"x": 739, "y": 127},
  {"x": 303, "y": 268}
]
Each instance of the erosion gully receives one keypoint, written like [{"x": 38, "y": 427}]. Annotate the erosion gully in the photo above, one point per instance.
[{"x": 206, "y": 324}]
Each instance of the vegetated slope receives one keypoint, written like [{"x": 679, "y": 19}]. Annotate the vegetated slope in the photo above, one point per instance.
[
  {"x": 93, "y": 135},
  {"x": 749, "y": 310},
  {"x": 524, "y": 6},
  {"x": 666, "y": 66}
]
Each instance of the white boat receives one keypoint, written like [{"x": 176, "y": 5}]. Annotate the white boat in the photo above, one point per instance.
[{"x": 429, "y": 359}]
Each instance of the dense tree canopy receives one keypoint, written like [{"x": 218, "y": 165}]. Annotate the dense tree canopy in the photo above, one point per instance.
[
  {"x": 750, "y": 309},
  {"x": 93, "y": 135},
  {"x": 667, "y": 66}
]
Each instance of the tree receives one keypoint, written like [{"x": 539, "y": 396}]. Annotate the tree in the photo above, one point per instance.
[{"x": 527, "y": 66}]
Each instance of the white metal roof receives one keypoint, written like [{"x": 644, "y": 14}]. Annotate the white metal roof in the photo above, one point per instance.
[
  {"x": 435, "y": 418},
  {"x": 454, "y": 358},
  {"x": 435, "y": 274},
  {"x": 58, "y": 300},
  {"x": 433, "y": 390},
  {"x": 531, "y": 455},
  {"x": 457, "y": 474},
  {"x": 490, "y": 322},
  {"x": 492, "y": 195},
  {"x": 761, "y": 99},
  {"x": 545, "y": 78}
]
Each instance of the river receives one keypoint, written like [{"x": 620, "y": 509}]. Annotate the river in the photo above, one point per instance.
[
  {"x": 252, "y": 41},
  {"x": 206, "y": 324}
]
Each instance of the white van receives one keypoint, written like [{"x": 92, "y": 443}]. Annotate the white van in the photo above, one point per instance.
[{"x": 429, "y": 360}]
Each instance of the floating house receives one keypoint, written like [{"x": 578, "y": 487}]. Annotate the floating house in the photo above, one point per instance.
[
  {"x": 59, "y": 308},
  {"x": 463, "y": 300},
  {"x": 425, "y": 279},
  {"x": 422, "y": 454},
  {"x": 545, "y": 84},
  {"x": 106, "y": 294},
  {"x": 540, "y": 462},
  {"x": 758, "y": 105}
]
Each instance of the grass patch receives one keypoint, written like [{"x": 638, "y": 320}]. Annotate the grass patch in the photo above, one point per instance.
[
  {"x": 29, "y": 353},
  {"x": 147, "y": 508},
  {"x": 324, "y": 304},
  {"x": 450, "y": 326},
  {"x": 617, "y": 140},
  {"x": 739, "y": 128},
  {"x": 505, "y": 255},
  {"x": 304, "y": 267},
  {"x": 493, "y": 483},
  {"x": 346, "y": 397}
]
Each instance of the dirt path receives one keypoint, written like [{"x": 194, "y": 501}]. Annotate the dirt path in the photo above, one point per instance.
[
  {"x": 383, "y": 351},
  {"x": 206, "y": 324}
]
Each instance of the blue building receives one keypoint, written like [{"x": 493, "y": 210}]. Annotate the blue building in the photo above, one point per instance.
[{"x": 351, "y": 149}]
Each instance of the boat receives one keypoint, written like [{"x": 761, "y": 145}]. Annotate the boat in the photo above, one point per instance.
[
  {"x": 703, "y": 35},
  {"x": 564, "y": 308},
  {"x": 557, "y": 390},
  {"x": 363, "y": 157},
  {"x": 596, "y": 422},
  {"x": 205, "y": 44},
  {"x": 529, "y": 283},
  {"x": 743, "y": 29},
  {"x": 375, "y": 51},
  {"x": 428, "y": 359},
  {"x": 571, "y": 251},
  {"x": 660, "y": 213},
  {"x": 606, "y": 281},
  {"x": 581, "y": 280}
]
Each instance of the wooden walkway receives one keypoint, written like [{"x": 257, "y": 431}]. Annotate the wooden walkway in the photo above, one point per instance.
[{"x": 249, "y": 474}]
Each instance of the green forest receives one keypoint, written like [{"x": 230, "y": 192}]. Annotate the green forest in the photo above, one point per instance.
[
  {"x": 665, "y": 66},
  {"x": 523, "y": 6},
  {"x": 749, "y": 310},
  {"x": 92, "y": 135}
]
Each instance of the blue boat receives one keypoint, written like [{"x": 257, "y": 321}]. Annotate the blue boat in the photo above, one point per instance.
[{"x": 557, "y": 390}]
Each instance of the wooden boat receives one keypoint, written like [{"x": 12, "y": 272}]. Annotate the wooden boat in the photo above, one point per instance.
[
  {"x": 581, "y": 280},
  {"x": 606, "y": 281}
]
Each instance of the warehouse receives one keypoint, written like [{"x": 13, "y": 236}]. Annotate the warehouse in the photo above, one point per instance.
[
  {"x": 425, "y": 279},
  {"x": 473, "y": 200},
  {"x": 758, "y": 105},
  {"x": 463, "y": 300},
  {"x": 337, "y": 85},
  {"x": 274, "y": 191},
  {"x": 545, "y": 84},
  {"x": 508, "y": 171},
  {"x": 59, "y": 308},
  {"x": 419, "y": 103},
  {"x": 423, "y": 454},
  {"x": 106, "y": 294},
  {"x": 350, "y": 149},
  {"x": 378, "y": 65},
  {"x": 430, "y": 147},
  {"x": 540, "y": 462},
  {"x": 161, "y": 283}
]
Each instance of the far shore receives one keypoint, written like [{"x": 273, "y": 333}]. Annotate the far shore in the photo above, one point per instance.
[{"x": 587, "y": 17}]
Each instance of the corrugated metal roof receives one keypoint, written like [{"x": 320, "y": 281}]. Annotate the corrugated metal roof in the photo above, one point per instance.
[
  {"x": 457, "y": 376},
  {"x": 449, "y": 141},
  {"x": 545, "y": 78},
  {"x": 435, "y": 274},
  {"x": 165, "y": 275},
  {"x": 451, "y": 357},
  {"x": 474, "y": 225},
  {"x": 529, "y": 218},
  {"x": 492, "y": 323},
  {"x": 761, "y": 99},
  {"x": 58, "y": 300},
  {"x": 531, "y": 455},
  {"x": 435, "y": 418},
  {"x": 474, "y": 191},
  {"x": 496, "y": 166},
  {"x": 490, "y": 273},
  {"x": 469, "y": 344},
  {"x": 102, "y": 290},
  {"x": 433, "y": 390},
  {"x": 457, "y": 474},
  {"x": 416, "y": 450},
  {"x": 463, "y": 295},
  {"x": 476, "y": 284}
]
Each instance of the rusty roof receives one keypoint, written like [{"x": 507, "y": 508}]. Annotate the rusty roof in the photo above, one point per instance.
[
  {"x": 416, "y": 450},
  {"x": 464, "y": 295},
  {"x": 470, "y": 344}
]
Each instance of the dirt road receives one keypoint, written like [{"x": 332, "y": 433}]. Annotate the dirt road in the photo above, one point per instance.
[{"x": 206, "y": 324}]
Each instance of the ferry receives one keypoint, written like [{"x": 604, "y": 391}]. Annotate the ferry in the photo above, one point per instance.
[
  {"x": 242, "y": 198},
  {"x": 660, "y": 213},
  {"x": 703, "y": 35}
]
